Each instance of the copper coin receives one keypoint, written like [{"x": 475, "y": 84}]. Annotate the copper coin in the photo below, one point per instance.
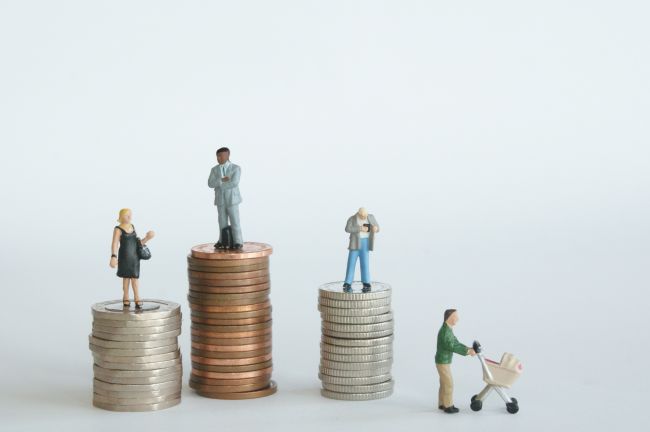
[
  {"x": 229, "y": 290},
  {"x": 226, "y": 262},
  {"x": 236, "y": 368},
  {"x": 219, "y": 384},
  {"x": 232, "y": 315},
  {"x": 232, "y": 375},
  {"x": 228, "y": 301},
  {"x": 239, "y": 308},
  {"x": 228, "y": 270},
  {"x": 228, "y": 282},
  {"x": 249, "y": 250},
  {"x": 232, "y": 341},
  {"x": 243, "y": 321},
  {"x": 268, "y": 391},
  {"x": 231, "y": 361},
  {"x": 233, "y": 328},
  {"x": 228, "y": 276},
  {"x": 228, "y": 335},
  {"x": 228, "y": 389},
  {"x": 228, "y": 296},
  {"x": 231, "y": 348},
  {"x": 237, "y": 355}
]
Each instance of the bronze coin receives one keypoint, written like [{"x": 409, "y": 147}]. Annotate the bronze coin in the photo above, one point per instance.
[
  {"x": 229, "y": 290},
  {"x": 268, "y": 391},
  {"x": 238, "y": 308},
  {"x": 243, "y": 321},
  {"x": 228, "y": 296},
  {"x": 230, "y": 348},
  {"x": 236, "y": 355},
  {"x": 228, "y": 282},
  {"x": 232, "y": 375},
  {"x": 232, "y": 341},
  {"x": 236, "y": 368},
  {"x": 249, "y": 250},
  {"x": 220, "y": 384},
  {"x": 233, "y": 361},
  {"x": 228, "y": 301},
  {"x": 227, "y": 276},
  {"x": 232, "y": 315},
  {"x": 226, "y": 262},
  {"x": 233, "y": 328},
  {"x": 228, "y": 335},
  {"x": 233, "y": 269}
]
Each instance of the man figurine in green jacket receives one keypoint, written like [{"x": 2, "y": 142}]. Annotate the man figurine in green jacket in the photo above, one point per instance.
[{"x": 447, "y": 346}]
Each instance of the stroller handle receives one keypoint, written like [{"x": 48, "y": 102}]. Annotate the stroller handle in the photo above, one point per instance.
[{"x": 476, "y": 346}]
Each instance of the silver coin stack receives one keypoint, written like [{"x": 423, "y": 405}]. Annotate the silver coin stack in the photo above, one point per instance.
[
  {"x": 356, "y": 342},
  {"x": 137, "y": 362}
]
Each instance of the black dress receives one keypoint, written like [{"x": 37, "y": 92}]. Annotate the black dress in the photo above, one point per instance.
[{"x": 128, "y": 262}]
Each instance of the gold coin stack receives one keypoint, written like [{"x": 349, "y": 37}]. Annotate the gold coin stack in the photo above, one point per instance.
[
  {"x": 137, "y": 362},
  {"x": 231, "y": 321}
]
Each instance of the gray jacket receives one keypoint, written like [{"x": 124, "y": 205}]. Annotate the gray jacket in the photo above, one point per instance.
[
  {"x": 225, "y": 193},
  {"x": 353, "y": 228}
]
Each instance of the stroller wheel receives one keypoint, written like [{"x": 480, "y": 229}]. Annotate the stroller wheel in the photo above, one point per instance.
[
  {"x": 476, "y": 404},
  {"x": 513, "y": 407}
]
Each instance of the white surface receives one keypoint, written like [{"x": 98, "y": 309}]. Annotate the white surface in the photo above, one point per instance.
[{"x": 513, "y": 134}]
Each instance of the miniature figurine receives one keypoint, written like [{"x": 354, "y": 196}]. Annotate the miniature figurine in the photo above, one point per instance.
[
  {"x": 362, "y": 228},
  {"x": 127, "y": 258},
  {"x": 498, "y": 377},
  {"x": 447, "y": 346},
  {"x": 224, "y": 179}
]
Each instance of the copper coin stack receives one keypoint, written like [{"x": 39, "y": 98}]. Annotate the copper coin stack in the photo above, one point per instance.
[{"x": 231, "y": 321}]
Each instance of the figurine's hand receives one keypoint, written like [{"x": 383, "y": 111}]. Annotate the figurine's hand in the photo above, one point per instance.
[
  {"x": 149, "y": 235},
  {"x": 364, "y": 228},
  {"x": 471, "y": 352},
  {"x": 375, "y": 228},
  {"x": 226, "y": 178},
  {"x": 113, "y": 262}
]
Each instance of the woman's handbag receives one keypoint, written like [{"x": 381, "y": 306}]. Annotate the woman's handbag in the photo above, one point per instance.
[{"x": 143, "y": 251}]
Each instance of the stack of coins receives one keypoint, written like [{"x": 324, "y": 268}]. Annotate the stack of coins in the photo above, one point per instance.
[
  {"x": 231, "y": 321},
  {"x": 356, "y": 342},
  {"x": 137, "y": 362}
]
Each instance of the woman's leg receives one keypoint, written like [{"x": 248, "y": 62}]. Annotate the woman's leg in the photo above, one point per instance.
[
  {"x": 125, "y": 289},
  {"x": 135, "y": 285}
]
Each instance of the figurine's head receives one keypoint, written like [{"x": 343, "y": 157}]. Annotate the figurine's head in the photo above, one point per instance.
[
  {"x": 124, "y": 216},
  {"x": 451, "y": 317},
  {"x": 363, "y": 213},
  {"x": 223, "y": 155}
]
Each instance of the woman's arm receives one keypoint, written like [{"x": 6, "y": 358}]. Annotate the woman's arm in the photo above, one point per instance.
[
  {"x": 147, "y": 237},
  {"x": 115, "y": 244}
]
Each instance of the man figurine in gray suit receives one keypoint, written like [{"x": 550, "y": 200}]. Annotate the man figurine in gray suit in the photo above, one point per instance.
[
  {"x": 362, "y": 228},
  {"x": 224, "y": 179}
]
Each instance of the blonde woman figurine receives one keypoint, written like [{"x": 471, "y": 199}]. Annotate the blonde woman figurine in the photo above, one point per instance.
[{"x": 126, "y": 252}]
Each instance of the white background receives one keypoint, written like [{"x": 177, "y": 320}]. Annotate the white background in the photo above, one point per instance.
[{"x": 502, "y": 146}]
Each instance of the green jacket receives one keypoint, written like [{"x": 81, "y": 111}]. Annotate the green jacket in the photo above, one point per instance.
[{"x": 448, "y": 345}]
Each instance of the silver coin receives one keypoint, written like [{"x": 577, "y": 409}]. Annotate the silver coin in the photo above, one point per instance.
[
  {"x": 137, "y": 373},
  {"x": 334, "y": 290},
  {"x": 358, "y": 381},
  {"x": 136, "y": 387},
  {"x": 358, "y": 328},
  {"x": 131, "y": 345},
  {"x": 138, "y": 366},
  {"x": 137, "y": 408},
  {"x": 134, "y": 394},
  {"x": 136, "y": 352},
  {"x": 357, "y": 335},
  {"x": 373, "y": 319},
  {"x": 354, "y": 304},
  {"x": 330, "y": 364},
  {"x": 352, "y": 358},
  {"x": 354, "y": 373},
  {"x": 136, "y": 360},
  {"x": 136, "y": 337},
  {"x": 361, "y": 389},
  {"x": 138, "y": 323},
  {"x": 336, "y": 349},
  {"x": 136, "y": 330},
  {"x": 134, "y": 401},
  {"x": 176, "y": 377},
  {"x": 351, "y": 312},
  {"x": 104, "y": 310},
  {"x": 356, "y": 342},
  {"x": 356, "y": 396}
]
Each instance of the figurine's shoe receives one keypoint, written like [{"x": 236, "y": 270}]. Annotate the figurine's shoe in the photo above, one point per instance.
[
  {"x": 138, "y": 305},
  {"x": 237, "y": 246},
  {"x": 126, "y": 303},
  {"x": 347, "y": 287},
  {"x": 366, "y": 287},
  {"x": 218, "y": 245},
  {"x": 451, "y": 410}
]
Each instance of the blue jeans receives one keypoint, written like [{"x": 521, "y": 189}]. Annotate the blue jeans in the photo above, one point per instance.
[{"x": 353, "y": 255}]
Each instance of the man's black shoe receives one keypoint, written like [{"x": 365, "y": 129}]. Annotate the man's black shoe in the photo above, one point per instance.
[
  {"x": 218, "y": 245},
  {"x": 237, "y": 246},
  {"x": 366, "y": 287},
  {"x": 451, "y": 410},
  {"x": 347, "y": 288}
]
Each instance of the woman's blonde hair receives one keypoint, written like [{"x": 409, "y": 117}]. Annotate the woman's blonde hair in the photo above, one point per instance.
[{"x": 122, "y": 213}]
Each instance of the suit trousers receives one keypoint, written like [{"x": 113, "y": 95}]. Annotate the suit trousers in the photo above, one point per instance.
[
  {"x": 230, "y": 214},
  {"x": 363, "y": 254},
  {"x": 446, "y": 391}
]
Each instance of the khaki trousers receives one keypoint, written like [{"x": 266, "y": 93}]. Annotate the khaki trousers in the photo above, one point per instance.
[{"x": 446, "y": 391}]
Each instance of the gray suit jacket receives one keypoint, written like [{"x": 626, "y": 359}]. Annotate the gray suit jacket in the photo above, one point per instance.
[
  {"x": 225, "y": 193},
  {"x": 353, "y": 228}
]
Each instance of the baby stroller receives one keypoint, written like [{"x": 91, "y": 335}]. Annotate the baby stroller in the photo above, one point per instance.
[{"x": 498, "y": 377}]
